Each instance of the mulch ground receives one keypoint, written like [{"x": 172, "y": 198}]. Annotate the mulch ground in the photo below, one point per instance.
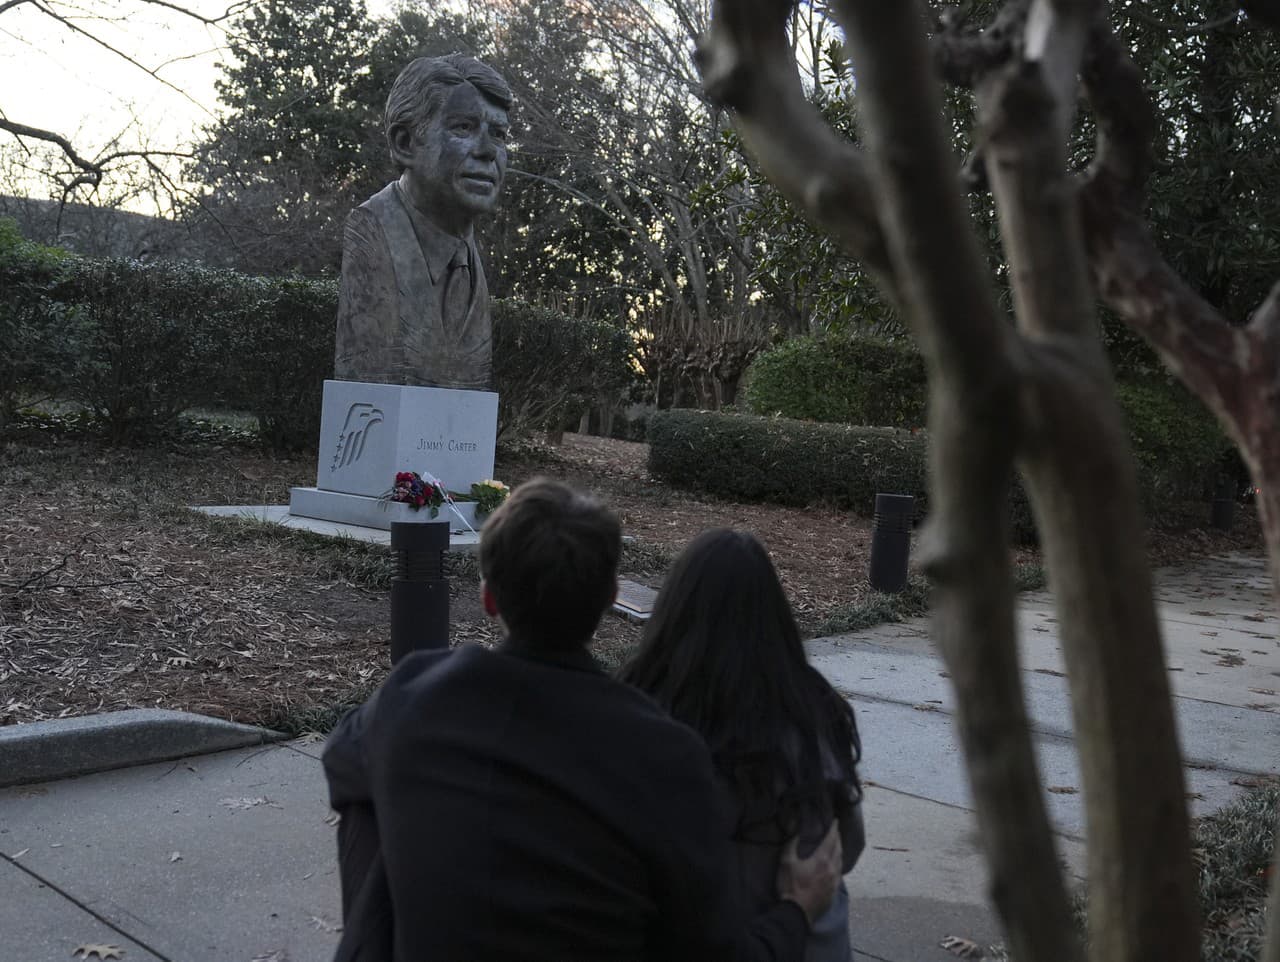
[{"x": 114, "y": 595}]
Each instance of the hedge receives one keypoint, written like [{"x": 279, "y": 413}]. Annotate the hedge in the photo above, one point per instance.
[
  {"x": 39, "y": 341},
  {"x": 550, "y": 367},
  {"x": 137, "y": 343},
  {"x": 784, "y": 461},
  {"x": 750, "y": 458},
  {"x": 1176, "y": 442},
  {"x": 150, "y": 341},
  {"x": 1178, "y": 445},
  {"x": 852, "y": 380},
  {"x": 280, "y": 350}
]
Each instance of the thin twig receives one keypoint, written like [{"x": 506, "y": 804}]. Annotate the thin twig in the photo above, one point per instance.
[{"x": 40, "y": 574}]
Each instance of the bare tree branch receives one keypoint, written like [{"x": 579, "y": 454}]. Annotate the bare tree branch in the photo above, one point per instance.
[
  {"x": 92, "y": 171},
  {"x": 1131, "y": 276},
  {"x": 1125, "y": 119},
  {"x": 37, "y": 133},
  {"x": 72, "y": 26},
  {"x": 976, "y": 369},
  {"x": 227, "y": 14},
  {"x": 1142, "y": 898},
  {"x": 748, "y": 66}
]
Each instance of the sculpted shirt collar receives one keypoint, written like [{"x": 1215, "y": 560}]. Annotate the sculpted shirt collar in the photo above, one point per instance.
[{"x": 437, "y": 245}]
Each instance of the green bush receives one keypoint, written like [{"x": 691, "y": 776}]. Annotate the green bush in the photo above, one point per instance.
[
  {"x": 137, "y": 343},
  {"x": 154, "y": 335},
  {"x": 783, "y": 461},
  {"x": 281, "y": 342},
  {"x": 851, "y": 380},
  {"x": 549, "y": 367},
  {"x": 1177, "y": 443},
  {"x": 40, "y": 341}
]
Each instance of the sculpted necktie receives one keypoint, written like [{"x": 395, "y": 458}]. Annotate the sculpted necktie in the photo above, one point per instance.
[{"x": 457, "y": 292}]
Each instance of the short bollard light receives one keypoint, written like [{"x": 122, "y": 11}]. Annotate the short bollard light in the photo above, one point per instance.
[
  {"x": 419, "y": 589},
  {"x": 891, "y": 541}
]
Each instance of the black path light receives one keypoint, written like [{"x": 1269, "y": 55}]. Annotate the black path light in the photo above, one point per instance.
[
  {"x": 891, "y": 541},
  {"x": 419, "y": 589}
]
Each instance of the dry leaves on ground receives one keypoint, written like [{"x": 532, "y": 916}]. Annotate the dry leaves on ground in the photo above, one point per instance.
[{"x": 113, "y": 595}]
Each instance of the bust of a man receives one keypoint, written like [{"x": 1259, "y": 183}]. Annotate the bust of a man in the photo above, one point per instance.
[{"x": 413, "y": 306}]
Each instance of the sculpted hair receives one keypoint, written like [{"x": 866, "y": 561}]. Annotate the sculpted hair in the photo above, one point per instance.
[
  {"x": 550, "y": 557},
  {"x": 420, "y": 89}
]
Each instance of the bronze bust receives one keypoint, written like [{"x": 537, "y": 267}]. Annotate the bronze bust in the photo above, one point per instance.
[{"x": 413, "y": 305}]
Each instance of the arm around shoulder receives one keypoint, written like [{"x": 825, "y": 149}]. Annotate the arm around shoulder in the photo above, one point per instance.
[{"x": 701, "y": 911}]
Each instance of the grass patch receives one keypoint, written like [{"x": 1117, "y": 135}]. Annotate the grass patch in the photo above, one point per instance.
[
  {"x": 318, "y": 719},
  {"x": 365, "y": 564},
  {"x": 214, "y": 429},
  {"x": 878, "y": 608},
  {"x": 1232, "y": 849},
  {"x": 644, "y": 558}
]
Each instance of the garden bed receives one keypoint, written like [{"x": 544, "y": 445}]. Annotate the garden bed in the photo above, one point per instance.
[{"x": 113, "y": 595}]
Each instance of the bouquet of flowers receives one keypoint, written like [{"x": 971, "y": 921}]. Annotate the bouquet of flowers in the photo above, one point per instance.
[
  {"x": 411, "y": 489},
  {"x": 488, "y": 494}
]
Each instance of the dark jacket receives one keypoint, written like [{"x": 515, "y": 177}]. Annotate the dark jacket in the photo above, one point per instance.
[{"x": 531, "y": 808}]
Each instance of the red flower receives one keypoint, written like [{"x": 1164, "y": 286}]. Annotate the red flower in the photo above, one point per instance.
[{"x": 419, "y": 501}]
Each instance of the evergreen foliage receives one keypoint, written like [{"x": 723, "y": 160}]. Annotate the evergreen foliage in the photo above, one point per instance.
[{"x": 854, "y": 380}]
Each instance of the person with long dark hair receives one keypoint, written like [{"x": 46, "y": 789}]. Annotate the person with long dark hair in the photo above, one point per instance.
[{"x": 722, "y": 654}]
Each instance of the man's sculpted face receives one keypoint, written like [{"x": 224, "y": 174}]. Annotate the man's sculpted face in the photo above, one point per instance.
[{"x": 454, "y": 169}]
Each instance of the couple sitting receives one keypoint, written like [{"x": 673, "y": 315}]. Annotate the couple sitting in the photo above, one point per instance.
[{"x": 519, "y": 804}]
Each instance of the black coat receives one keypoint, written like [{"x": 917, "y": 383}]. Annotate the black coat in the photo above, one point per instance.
[{"x": 531, "y": 808}]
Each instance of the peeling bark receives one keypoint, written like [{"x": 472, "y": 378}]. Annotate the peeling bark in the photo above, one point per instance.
[{"x": 1040, "y": 395}]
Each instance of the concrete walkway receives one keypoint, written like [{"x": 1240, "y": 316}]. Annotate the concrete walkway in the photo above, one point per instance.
[
  {"x": 228, "y": 857},
  {"x": 923, "y": 877}
]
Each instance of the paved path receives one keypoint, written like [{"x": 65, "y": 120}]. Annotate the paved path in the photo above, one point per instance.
[
  {"x": 228, "y": 858},
  {"x": 922, "y": 877}
]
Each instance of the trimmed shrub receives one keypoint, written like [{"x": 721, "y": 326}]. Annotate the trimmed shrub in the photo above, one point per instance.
[
  {"x": 281, "y": 342},
  {"x": 784, "y": 461},
  {"x": 152, "y": 335},
  {"x": 799, "y": 463},
  {"x": 550, "y": 367},
  {"x": 40, "y": 341},
  {"x": 852, "y": 380},
  {"x": 1178, "y": 445},
  {"x": 137, "y": 343}
]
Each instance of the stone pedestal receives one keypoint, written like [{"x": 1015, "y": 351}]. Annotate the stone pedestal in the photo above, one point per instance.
[{"x": 370, "y": 432}]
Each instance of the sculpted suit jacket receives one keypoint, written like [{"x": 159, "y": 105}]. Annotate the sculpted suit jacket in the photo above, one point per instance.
[
  {"x": 532, "y": 809},
  {"x": 391, "y": 325}
]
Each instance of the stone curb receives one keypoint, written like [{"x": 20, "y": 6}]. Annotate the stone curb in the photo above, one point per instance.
[{"x": 65, "y": 747}]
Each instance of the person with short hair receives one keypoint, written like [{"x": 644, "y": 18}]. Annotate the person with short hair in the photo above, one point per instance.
[
  {"x": 722, "y": 653},
  {"x": 523, "y": 805},
  {"x": 413, "y": 303}
]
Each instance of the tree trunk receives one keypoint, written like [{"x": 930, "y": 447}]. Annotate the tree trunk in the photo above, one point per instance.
[{"x": 1042, "y": 395}]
